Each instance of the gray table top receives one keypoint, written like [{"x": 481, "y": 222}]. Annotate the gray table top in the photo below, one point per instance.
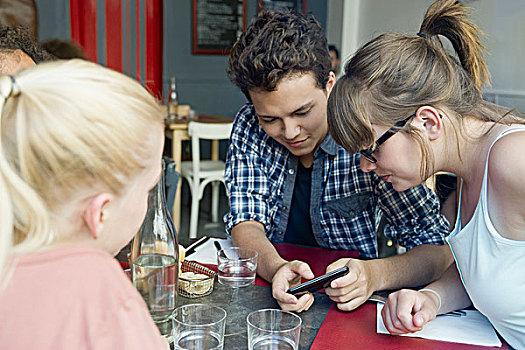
[{"x": 239, "y": 302}]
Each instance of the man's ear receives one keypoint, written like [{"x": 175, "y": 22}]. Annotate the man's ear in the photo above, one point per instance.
[
  {"x": 428, "y": 119},
  {"x": 95, "y": 213},
  {"x": 330, "y": 83}
]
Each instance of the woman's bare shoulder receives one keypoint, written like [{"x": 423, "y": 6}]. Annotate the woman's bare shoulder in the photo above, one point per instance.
[
  {"x": 507, "y": 160},
  {"x": 506, "y": 173}
]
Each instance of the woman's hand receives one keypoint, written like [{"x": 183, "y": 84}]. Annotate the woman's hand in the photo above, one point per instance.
[
  {"x": 287, "y": 276},
  {"x": 407, "y": 311},
  {"x": 353, "y": 289}
]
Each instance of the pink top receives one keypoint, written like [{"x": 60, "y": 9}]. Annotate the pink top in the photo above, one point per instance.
[{"x": 74, "y": 297}]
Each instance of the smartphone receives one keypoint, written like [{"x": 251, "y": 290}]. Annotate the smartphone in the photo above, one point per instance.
[{"x": 318, "y": 282}]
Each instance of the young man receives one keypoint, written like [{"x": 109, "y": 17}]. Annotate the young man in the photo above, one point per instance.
[{"x": 289, "y": 182}]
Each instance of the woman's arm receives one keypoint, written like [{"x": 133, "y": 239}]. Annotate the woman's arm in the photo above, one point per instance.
[{"x": 407, "y": 311}]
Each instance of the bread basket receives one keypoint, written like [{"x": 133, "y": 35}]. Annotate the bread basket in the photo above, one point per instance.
[{"x": 195, "y": 288}]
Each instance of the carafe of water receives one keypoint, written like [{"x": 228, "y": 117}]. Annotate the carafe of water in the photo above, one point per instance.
[{"x": 154, "y": 256}]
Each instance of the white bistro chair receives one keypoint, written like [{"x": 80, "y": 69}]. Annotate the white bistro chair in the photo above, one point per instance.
[{"x": 200, "y": 173}]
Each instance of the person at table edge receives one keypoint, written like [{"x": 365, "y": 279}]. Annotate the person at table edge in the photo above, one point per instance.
[
  {"x": 288, "y": 181},
  {"x": 18, "y": 50}
]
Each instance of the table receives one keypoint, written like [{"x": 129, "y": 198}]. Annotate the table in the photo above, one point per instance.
[
  {"x": 178, "y": 132},
  {"x": 238, "y": 303},
  {"x": 337, "y": 330}
]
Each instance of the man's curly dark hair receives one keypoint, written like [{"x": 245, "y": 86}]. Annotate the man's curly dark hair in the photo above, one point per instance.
[
  {"x": 13, "y": 38},
  {"x": 278, "y": 44},
  {"x": 63, "y": 49}
]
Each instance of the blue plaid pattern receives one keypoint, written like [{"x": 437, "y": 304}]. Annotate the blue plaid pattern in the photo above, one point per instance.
[{"x": 346, "y": 203}]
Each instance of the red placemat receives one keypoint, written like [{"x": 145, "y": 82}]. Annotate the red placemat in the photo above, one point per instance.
[
  {"x": 317, "y": 258},
  {"x": 357, "y": 330}
]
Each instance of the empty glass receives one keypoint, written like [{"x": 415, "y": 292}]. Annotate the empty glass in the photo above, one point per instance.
[
  {"x": 270, "y": 329},
  {"x": 198, "y": 326},
  {"x": 237, "y": 266}
]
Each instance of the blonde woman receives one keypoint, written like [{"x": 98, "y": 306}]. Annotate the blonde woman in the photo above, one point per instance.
[
  {"x": 80, "y": 149},
  {"x": 411, "y": 110}
]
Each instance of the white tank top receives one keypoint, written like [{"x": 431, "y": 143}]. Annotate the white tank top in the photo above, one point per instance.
[{"x": 492, "y": 267}]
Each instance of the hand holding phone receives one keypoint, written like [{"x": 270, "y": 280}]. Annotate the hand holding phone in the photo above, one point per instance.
[{"x": 318, "y": 282}]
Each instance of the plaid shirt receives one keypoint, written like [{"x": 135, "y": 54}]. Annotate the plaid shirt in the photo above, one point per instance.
[{"x": 345, "y": 204}]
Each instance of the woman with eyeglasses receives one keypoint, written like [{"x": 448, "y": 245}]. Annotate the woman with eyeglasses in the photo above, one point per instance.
[{"x": 412, "y": 110}]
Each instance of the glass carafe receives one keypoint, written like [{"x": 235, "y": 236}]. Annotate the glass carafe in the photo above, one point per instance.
[{"x": 154, "y": 256}]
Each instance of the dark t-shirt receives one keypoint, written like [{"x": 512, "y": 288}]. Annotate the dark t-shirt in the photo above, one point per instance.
[{"x": 299, "y": 229}]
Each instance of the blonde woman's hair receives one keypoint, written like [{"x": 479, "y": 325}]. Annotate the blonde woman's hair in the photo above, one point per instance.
[
  {"x": 393, "y": 75},
  {"x": 65, "y": 126}
]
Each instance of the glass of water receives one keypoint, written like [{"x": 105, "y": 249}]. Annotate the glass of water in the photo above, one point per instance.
[
  {"x": 237, "y": 266},
  {"x": 270, "y": 329},
  {"x": 198, "y": 326}
]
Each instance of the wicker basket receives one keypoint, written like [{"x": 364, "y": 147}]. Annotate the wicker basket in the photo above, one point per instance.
[{"x": 190, "y": 288}]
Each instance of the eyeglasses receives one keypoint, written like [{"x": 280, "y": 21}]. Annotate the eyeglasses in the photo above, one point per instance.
[{"x": 367, "y": 153}]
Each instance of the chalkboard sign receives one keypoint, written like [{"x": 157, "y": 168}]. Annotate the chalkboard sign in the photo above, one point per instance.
[
  {"x": 298, "y": 5},
  {"x": 216, "y": 25}
]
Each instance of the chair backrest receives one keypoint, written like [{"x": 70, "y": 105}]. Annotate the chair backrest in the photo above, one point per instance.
[
  {"x": 206, "y": 131},
  {"x": 210, "y": 131}
]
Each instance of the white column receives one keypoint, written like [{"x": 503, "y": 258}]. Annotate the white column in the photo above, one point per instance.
[{"x": 350, "y": 29}]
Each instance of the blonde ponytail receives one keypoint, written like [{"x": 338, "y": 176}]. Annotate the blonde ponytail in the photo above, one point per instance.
[
  {"x": 66, "y": 128},
  {"x": 21, "y": 209}
]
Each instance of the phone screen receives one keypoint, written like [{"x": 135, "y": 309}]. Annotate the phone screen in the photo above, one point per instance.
[{"x": 318, "y": 282}]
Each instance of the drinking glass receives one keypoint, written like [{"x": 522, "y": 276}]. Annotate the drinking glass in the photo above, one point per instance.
[
  {"x": 198, "y": 326},
  {"x": 237, "y": 266},
  {"x": 270, "y": 329}
]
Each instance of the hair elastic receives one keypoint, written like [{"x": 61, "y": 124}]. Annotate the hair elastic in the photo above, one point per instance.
[
  {"x": 423, "y": 35},
  {"x": 15, "y": 89}
]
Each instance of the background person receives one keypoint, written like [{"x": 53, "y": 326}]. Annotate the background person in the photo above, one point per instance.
[
  {"x": 431, "y": 105},
  {"x": 289, "y": 182},
  {"x": 335, "y": 59},
  {"x": 75, "y": 185}
]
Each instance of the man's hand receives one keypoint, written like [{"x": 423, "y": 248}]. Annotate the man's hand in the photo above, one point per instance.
[
  {"x": 287, "y": 276},
  {"x": 273, "y": 268},
  {"x": 407, "y": 311},
  {"x": 353, "y": 289}
]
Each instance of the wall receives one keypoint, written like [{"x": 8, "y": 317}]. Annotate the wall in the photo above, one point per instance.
[
  {"x": 334, "y": 20},
  {"x": 53, "y": 19},
  {"x": 501, "y": 20},
  {"x": 201, "y": 79}
]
